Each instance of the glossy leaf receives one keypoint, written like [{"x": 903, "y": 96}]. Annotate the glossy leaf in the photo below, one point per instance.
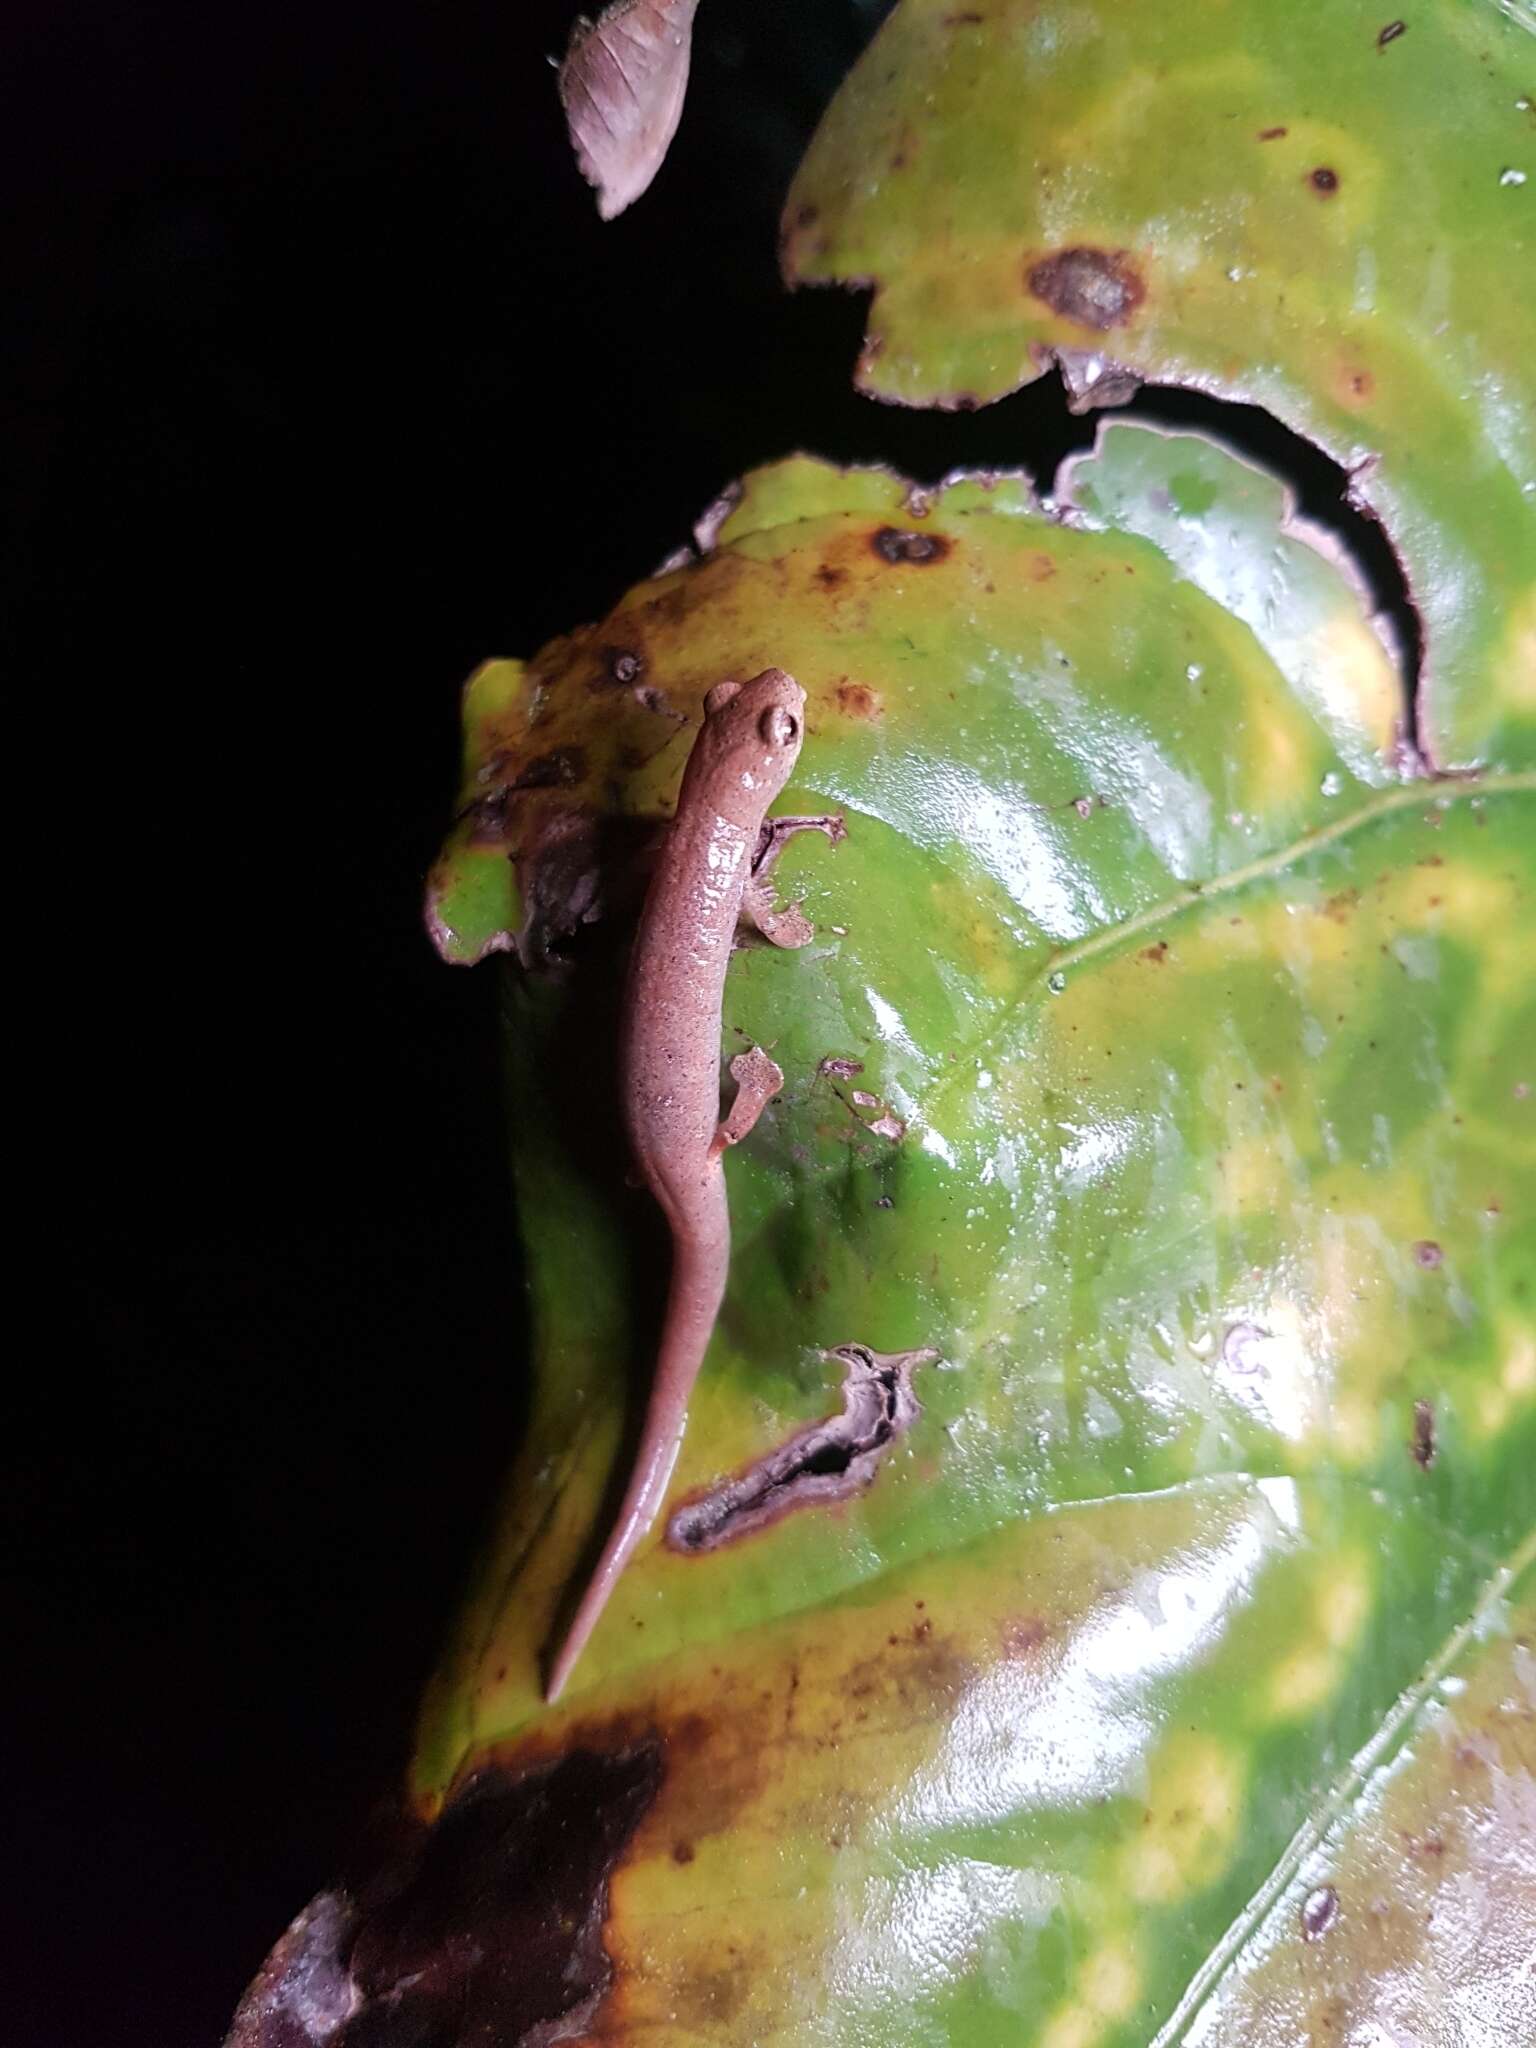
[
  {"x": 1311, "y": 207},
  {"x": 1166, "y": 1061}
]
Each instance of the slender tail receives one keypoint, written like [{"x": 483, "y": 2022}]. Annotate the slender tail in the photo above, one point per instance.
[{"x": 693, "y": 1302}]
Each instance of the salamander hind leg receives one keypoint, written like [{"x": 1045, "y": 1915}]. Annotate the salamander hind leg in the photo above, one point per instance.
[
  {"x": 758, "y": 1079},
  {"x": 788, "y": 928}
]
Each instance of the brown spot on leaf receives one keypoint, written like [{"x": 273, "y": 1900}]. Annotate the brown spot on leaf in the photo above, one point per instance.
[
  {"x": 561, "y": 869},
  {"x": 1272, "y": 134},
  {"x": 492, "y": 817},
  {"x": 649, "y": 698},
  {"x": 908, "y": 1678},
  {"x": 842, "y": 1069},
  {"x": 829, "y": 576},
  {"x": 1023, "y": 1637},
  {"x": 1157, "y": 954},
  {"x": 858, "y": 700},
  {"x": 706, "y": 2001},
  {"x": 893, "y": 544},
  {"x": 1427, "y": 1253},
  {"x": 1098, "y": 288},
  {"x": 560, "y": 767},
  {"x": 1323, "y": 180},
  {"x": 623, "y": 665},
  {"x": 489, "y": 818},
  {"x": 1423, "y": 1446}
]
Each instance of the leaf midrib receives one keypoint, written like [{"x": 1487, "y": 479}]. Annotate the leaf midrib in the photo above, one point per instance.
[
  {"x": 1389, "y": 1741},
  {"x": 1431, "y": 792}
]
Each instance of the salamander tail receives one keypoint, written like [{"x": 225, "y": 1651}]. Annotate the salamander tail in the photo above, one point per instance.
[{"x": 697, "y": 1284}]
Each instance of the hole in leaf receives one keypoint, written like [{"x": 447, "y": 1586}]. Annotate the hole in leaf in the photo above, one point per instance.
[
  {"x": 826, "y": 1462},
  {"x": 1321, "y": 489},
  {"x": 1036, "y": 430}
]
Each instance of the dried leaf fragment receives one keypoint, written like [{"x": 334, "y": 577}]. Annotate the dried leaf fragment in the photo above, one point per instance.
[{"x": 622, "y": 85}]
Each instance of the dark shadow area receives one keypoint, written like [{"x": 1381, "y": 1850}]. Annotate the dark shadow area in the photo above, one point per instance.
[{"x": 324, "y": 384}]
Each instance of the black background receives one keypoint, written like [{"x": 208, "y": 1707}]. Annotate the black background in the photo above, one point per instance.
[{"x": 323, "y": 383}]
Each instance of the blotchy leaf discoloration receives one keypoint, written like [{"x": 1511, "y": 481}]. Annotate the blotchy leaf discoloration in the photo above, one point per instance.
[
  {"x": 488, "y": 1928},
  {"x": 1245, "y": 212},
  {"x": 1196, "y": 1016},
  {"x": 1417, "y": 1916}
]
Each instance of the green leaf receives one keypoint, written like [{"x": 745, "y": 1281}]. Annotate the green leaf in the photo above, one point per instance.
[
  {"x": 1287, "y": 205},
  {"x": 1166, "y": 1061}
]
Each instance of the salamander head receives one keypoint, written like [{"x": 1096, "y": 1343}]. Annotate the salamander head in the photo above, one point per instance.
[{"x": 749, "y": 743}]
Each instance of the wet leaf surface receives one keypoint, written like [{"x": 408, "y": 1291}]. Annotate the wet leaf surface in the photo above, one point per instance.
[
  {"x": 1163, "y": 1061},
  {"x": 1290, "y": 211}
]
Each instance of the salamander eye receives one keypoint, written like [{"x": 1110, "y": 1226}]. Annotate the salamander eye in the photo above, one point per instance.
[{"x": 780, "y": 728}]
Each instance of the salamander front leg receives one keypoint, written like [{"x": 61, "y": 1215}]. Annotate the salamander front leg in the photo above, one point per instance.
[{"x": 789, "y": 927}]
